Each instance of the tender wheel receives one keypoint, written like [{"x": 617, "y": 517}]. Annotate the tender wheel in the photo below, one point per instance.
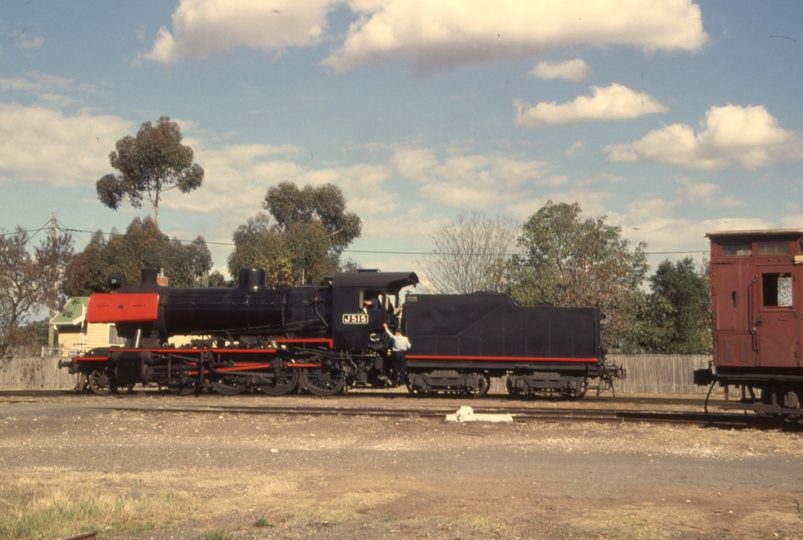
[
  {"x": 484, "y": 385},
  {"x": 100, "y": 381},
  {"x": 512, "y": 390},
  {"x": 230, "y": 385},
  {"x": 324, "y": 381},
  {"x": 284, "y": 383},
  {"x": 420, "y": 390},
  {"x": 408, "y": 382},
  {"x": 581, "y": 393}
]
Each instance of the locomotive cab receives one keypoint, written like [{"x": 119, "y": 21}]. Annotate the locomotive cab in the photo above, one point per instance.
[{"x": 363, "y": 303}]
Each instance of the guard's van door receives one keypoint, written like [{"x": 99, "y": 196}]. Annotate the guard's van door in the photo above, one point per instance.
[{"x": 776, "y": 305}]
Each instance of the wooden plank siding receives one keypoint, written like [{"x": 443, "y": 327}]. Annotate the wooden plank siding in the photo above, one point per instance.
[
  {"x": 37, "y": 373},
  {"x": 659, "y": 373}
]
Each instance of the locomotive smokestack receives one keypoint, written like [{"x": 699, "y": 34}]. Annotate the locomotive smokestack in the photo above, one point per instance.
[{"x": 252, "y": 278}]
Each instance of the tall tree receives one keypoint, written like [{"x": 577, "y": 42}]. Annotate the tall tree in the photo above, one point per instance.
[
  {"x": 258, "y": 244},
  {"x": 142, "y": 246},
  {"x": 149, "y": 164},
  {"x": 27, "y": 281},
  {"x": 304, "y": 240},
  {"x": 324, "y": 206},
  {"x": 569, "y": 261},
  {"x": 471, "y": 254},
  {"x": 676, "y": 318}
]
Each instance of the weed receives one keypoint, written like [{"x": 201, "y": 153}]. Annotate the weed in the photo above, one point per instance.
[
  {"x": 798, "y": 509},
  {"x": 215, "y": 535},
  {"x": 263, "y": 522},
  {"x": 33, "y": 510}
]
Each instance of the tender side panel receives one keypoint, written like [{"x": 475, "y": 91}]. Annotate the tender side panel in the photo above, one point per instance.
[
  {"x": 118, "y": 308},
  {"x": 492, "y": 327}
]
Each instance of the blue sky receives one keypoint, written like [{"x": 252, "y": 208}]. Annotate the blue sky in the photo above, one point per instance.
[{"x": 673, "y": 118}]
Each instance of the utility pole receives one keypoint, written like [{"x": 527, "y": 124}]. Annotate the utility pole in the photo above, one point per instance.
[{"x": 51, "y": 333}]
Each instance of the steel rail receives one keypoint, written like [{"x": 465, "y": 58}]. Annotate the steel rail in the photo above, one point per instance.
[{"x": 519, "y": 415}]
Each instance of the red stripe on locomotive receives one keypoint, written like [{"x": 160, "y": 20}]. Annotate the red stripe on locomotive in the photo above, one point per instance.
[{"x": 504, "y": 358}]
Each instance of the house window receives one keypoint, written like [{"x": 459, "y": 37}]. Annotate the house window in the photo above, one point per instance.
[
  {"x": 777, "y": 290},
  {"x": 115, "y": 339}
]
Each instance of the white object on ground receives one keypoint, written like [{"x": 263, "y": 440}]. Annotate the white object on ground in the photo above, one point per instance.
[{"x": 466, "y": 414}]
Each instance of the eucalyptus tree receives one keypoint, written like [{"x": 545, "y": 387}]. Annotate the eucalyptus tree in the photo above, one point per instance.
[{"x": 149, "y": 164}]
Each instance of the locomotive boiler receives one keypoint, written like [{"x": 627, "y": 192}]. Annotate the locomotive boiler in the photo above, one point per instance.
[{"x": 330, "y": 337}]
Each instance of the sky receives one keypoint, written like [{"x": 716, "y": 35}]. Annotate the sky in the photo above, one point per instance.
[{"x": 672, "y": 118}]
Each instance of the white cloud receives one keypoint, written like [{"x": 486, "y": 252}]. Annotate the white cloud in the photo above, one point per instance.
[
  {"x": 202, "y": 28},
  {"x": 446, "y": 34},
  {"x": 748, "y": 137},
  {"x": 599, "y": 178},
  {"x": 469, "y": 180},
  {"x": 653, "y": 220},
  {"x": 237, "y": 178},
  {"x": 414, "y": 163},
  {"x": 592, "y": 202},
  {"x": 25, "y": 42},
  {"x": 42, "y": 145},
  {"x": 571, "y": 70},
  {"x": 794, "y": 221},
  {"x": 710, "y": 195},
  {"x": 574, "y": 148},
  {"x": 18, "y": 84},
  {"x": 688, "y": 193},
  {"x": 37, "y": 82},
  {"x": 607, "y": 104},
  {"x": 59, "y": 100}
]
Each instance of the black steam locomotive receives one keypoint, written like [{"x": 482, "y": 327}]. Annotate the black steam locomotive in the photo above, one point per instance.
[{"x": 331, "y": 337}]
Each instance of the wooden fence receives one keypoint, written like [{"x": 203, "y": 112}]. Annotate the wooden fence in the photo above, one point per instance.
[
  {"x": 37, "y": 373},
  {"x": 659, "y": 373},
  {"x": 646, "y": 374}
]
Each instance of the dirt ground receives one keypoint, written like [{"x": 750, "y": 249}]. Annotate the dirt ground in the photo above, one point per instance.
[{"x": 219, "y": 475}]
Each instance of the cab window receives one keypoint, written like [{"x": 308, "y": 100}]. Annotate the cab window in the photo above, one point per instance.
[{"x": 371, "y": 300}]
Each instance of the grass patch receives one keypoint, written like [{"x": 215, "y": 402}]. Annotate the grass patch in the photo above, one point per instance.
[
  {"x": 263, "y": 522},
  {"x": 215, "y": 535},
  {"x": 798, "y": 509},
  {"x": 41, "y": 511}
]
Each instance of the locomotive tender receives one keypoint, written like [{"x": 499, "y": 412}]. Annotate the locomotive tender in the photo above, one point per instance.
[
  {"x": 757, "y": 313},
  {"x": 330, "y": 337}
]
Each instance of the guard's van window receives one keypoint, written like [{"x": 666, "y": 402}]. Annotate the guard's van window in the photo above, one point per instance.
[{"x": 776, "y": 290}]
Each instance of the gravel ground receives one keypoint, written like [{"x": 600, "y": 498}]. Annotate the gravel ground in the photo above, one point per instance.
[{"x": 367, "y": 477}]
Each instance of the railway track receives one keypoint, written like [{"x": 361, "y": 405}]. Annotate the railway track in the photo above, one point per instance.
[
  {"x": 518, "y": 414},
  {"x": 246, "y": 404},
  {"x": 152, "y": 393}
]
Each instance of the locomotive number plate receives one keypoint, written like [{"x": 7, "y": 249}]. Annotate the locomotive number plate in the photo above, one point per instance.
[{"x": 355, "y": 318}]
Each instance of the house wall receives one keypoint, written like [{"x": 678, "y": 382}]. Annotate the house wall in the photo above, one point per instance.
[
  {"x": 97, "y": 335},
  {"x": 71, "y": 339}
]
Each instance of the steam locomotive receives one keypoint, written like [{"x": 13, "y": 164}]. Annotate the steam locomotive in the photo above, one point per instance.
[{"x": 328, "y": 338}]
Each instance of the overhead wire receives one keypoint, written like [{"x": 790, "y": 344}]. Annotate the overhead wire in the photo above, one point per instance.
[{"x": 60, "y": 226}]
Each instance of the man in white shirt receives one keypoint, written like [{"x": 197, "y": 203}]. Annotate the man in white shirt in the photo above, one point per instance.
[{"x": 398, "y": 356}]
